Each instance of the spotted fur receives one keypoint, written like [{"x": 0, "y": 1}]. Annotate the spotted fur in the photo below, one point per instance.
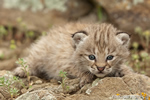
[{"x": 68, "y": 48}]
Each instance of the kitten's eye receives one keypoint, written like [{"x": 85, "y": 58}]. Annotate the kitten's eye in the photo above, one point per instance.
[
  {"x": 110, "y": 57},
  {"x": 91, "y": 57}
]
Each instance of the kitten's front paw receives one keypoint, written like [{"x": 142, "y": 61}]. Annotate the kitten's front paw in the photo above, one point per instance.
[
  {"x": 125, "y": 70},
  {"x": 19, "y": 72},
  {"x": 119, "y": 74},
  {"x": 86, "y": 79}
]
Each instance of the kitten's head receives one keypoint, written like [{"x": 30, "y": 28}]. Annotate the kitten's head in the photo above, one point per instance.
[{"x": 100, "y": 49}]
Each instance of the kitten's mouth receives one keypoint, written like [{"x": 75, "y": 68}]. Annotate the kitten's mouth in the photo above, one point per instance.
[{"x": 101, "y": 74}]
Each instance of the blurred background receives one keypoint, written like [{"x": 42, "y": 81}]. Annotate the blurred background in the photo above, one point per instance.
[{"x": 24, "y": 21}]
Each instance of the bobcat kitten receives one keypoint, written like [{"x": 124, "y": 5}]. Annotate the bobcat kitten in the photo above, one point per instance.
[{"x": 83, "y": 50}]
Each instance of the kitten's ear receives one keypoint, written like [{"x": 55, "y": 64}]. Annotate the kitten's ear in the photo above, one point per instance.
[
  {"x": 79, "y": 37},
  {"x": 124, "y": 38}
]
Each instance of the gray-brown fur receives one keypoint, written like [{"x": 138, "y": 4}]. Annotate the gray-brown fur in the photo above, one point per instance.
[{"x": 67, "y": 48}]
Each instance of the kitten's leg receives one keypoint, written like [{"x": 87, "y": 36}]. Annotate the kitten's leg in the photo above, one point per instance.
[
  {"x": 21, "y": 71},
  {"x": 86, "y": 77},
  {"x": 124, "y": 70}
]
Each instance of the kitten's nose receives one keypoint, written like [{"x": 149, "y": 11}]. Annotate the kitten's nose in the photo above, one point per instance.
[{"x": 100, "y": 68}]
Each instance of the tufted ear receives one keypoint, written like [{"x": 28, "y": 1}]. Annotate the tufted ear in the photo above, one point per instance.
[
  {"x": 123, "y": 38},
  {"x": 79, "y": 37}
]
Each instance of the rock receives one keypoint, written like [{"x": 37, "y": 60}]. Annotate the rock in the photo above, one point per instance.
[
  {"x": 138, "y": 84},
  {"x": 9, "y": 58},
  {"x": 72, "y": 84},
  {"x": 38, "y": 95},
  {"x": 108, "y": 88},
  {"x": 77, "y": 8},
  {"x": 44, "y": 12},
  {"x": 2, "y": 97},
  {"x": 24, "y": 89},
  {"x": 7, "y": 64},
  {"x": 7, "y": 53},
  {"x": 4, "y": 93},
  {"x": 127, "y": 14},
  {"x": 7, "y": 61},
  {"x": 111, "y": 86},
  {"x": 3, "y": 72},
  {"x": 3, "y": 89},
  {"x": 105, "y": 89}
]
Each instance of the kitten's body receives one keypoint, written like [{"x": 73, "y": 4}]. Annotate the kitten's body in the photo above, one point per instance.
[{"x": 67, "y": 48}]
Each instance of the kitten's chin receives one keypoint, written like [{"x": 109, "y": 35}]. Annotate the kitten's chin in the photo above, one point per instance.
[{"x": 101, "y": 75}]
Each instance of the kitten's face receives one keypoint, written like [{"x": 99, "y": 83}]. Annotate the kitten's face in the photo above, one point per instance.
[{"x": 100, "y": 49}]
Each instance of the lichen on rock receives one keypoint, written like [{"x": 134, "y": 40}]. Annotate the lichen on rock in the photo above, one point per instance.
[{"x": 35, "y": 5}]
